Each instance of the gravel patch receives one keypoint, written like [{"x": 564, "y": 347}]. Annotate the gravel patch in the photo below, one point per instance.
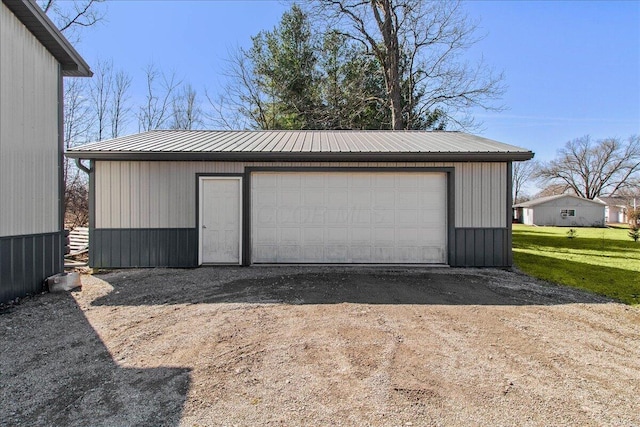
[{"x": 317, "y": 346}]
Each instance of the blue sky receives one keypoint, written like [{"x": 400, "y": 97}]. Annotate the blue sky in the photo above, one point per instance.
[{"x": 572, "y": 68}]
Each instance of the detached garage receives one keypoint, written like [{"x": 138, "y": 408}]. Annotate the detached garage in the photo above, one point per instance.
[
  {"x": 187, "y": 198},
  {"x": 562, "y": 210}
]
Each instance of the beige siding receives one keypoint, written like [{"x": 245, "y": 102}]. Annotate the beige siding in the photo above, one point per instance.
[
  {"x": 28, "y": 132},
  {"x": 132, "y": 194}
]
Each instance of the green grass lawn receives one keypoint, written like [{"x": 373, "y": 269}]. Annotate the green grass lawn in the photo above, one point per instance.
[{"x": 602, "y": 260}]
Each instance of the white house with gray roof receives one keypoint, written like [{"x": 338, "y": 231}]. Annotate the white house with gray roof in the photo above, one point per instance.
[
  {"x": 34, "y": 56},
  {"x": 187, "y": 198},
  {"x": 561, "y": 210}
]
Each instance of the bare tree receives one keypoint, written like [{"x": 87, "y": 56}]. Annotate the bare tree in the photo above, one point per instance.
[
  {"x": 161, "y": 88},
  {"x": 591, "y": 169},
  {"x": 522, "y": 173},
  {"x": 244, "y": 104},
  {"x": 69, "y": 16},
  {"x": 79, "y": 120},
  {"x": 418, "y": 44},
  {"x": 119, "y": 108},
  {"x": 186, "y": 110},
  {"x": 101, "y": 88},
  {"x": 78, "y": 117},
  {"x": 554, "y": 190}
]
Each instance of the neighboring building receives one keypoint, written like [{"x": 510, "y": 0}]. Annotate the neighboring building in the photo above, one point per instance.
[
  {"x": 34, "y": 56},
  {"x": 186, "y": 198},
  {"x": 615, "y": 210},
  {"x": 561, "y": 210}
]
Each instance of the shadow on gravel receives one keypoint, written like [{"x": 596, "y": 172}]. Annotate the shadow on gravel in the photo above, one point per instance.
[
  {"x": 311, "y": 285},
  {"x": 59, "y": 373}
]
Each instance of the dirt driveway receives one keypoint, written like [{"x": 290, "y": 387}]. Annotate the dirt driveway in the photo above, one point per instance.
[{"x": 303, "y": 346}]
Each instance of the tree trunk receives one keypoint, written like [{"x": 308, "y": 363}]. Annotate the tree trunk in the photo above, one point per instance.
[{"x": 391, "y": 60}]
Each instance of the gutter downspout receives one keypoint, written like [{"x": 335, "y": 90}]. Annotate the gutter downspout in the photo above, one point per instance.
[{"x": 82, "y": 167}]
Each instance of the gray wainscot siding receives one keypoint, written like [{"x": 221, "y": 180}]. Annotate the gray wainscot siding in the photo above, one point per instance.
[
  {"x": 144, "y": 212},
  {"x": 481, "y": 247},
  {"x": 143, "y": 247},
  {"x": 25, "y": 261}
]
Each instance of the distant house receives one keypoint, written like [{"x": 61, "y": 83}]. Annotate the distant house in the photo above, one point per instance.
[
  {"x": 561, "y": 210},
  {"x": 34, "y": 56},
  {"x": 615, "y": 210}
]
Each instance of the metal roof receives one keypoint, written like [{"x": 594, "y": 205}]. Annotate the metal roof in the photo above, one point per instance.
[
  {"x": 37, "y": 22},
  {"x": 279, "y": 145},
  {"x": 541, "y": 200}
]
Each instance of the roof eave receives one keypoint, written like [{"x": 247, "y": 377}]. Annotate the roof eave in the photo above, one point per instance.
[
  {"x": 37, "y": 22},
  {"x": 306, "y": 157}
]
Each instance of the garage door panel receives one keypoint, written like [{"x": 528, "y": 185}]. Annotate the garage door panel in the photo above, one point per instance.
[
  {"x": 264, "y": 199},
  {"x": 409, "y": 254},
  {"x": 382, "y": 254},
  {"x": 266, "y": 182},
  {"x": 288, "y": 215},
  {"x": 336, "y": 253},
  {"x": 313, "y": 181},
  {"x": 384, "y": 236},
  {"x": 384, "y": 198},
  {"x": 338, "y": 216},
  {"x": 314, "y": 198},
  {"x": 335, "y": 180},
  {"x": 384, "y": 181},
  {"x": 289, "y": 197},
  {"x": 407, "y": 181},
  {"x": 360, "y": 254},
  {"x": 407, "y": 217},
  {"x": 289, "y": 236},
  {"x": 313, "y": 236},
  {"x": 359, "y": 180},
  {"x": 337, "y": 235},
  {"x": 360, "y": 199},
  {"x": 289, "y": 253},
  {"x": 360, "y": 217},
  {"x": 337, "y": 197},
  {"x": 383, "y": 217},
  {"x": 408, "y": 199},
  {"x": 360, "y": 236},
  {"x": 313, "y": 253},
  {"x": 349, "y": 217},
  {"x": 407, "y": 236},
  {"x": 265, "y": 236},
  {"x": 289, "y": 181}
]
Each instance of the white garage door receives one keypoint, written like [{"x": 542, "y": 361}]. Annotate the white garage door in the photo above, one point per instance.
[{"x": 348, "y": 217}]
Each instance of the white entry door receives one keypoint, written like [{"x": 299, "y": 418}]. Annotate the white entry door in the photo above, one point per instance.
[{"x": 220, "y": 220}]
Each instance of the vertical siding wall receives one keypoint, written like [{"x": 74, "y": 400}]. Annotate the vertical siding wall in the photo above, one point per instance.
[
  {"x": 133, "y": 194},
  {"x": 28, "y": 132},
  {"x": 156, "y": 201},
  {"x": 30, "y": 235},
  {"x": 587, "y": 215}
]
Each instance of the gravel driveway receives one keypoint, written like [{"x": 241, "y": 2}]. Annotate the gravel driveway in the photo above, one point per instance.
[{"x": 302, "y": 346}]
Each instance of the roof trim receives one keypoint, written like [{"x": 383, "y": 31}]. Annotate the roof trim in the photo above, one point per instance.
[
  {"x": 302, "y": 145},
  {"x": 304, "y": 156},
  {"x": 543, "y": 200},
  {"x": 39, "y": 24}
]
